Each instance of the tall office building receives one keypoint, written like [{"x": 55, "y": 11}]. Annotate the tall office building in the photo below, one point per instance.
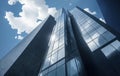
[
  {"x": 111, "y": 12},
  {"x": 72, "y": 43}
]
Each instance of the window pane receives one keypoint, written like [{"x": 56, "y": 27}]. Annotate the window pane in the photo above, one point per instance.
[
  {"x": 101, "y": 30},
  {"x": 79, "y": 65},
  {"x": 92, "y": 46},
  {"x": 86, "y": 36},
  {"x": 61, "y": 41},
  {"x": 108, "y": 50},
  {"x": 94, "y": 34},
  {"x": 88, "y": 39},
  {"x": 53, "y": 58},
  {"x": 109, "y": 36},
  {"x": 52, "y": 67},
  {"x": 61, "y": 71},
  {"x": 96, "y": 25},
  {"x": 90, "y": 29},
  {"x": 61, "y": 31},
  {"x": 84, "y": 32},
  {"x": 116, "y": 44},
  {"x": 61, "y": 53},
  {"x": 61, "y": 62},
  {"x": 55, "y": 45},
  {"x": 52, "y": 73},
  {"x": 71, "y": 68},
  {"x": 100, "y": 41}
]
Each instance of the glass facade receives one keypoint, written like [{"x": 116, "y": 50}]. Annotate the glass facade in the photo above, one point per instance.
[
  {"x": 54, "y": 61},
  {"x": 93, "y": 33},
  {"x": 62, "y": 61},
  {"x": 111, "y": 48}
]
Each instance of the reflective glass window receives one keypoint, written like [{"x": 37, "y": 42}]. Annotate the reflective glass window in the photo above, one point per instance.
[
  {"x": 61, "y": 30},
  {"x": 91, "y": 30},
  {"x": 86, "y": 36},
  {"x": 61, "y": 53},
  {"x": 96, "y": 25},
  {"x": 52, "y": 73},
  {"x": 84, "y": 32},
  {"x": 92, "y": 45},
  {"x": 108, "y": 50},
  {"x": 61, "y": 41},
  {"x": 100, "y": 41},
  {"x": 116, "y": 44},
  {"x": 55, "y": 45},
  {"x": 101, "y": 30},
  {"x": 79, "y": 64},
  {"x": 53, "y": 58},
  {"x": 61, "y": 62},
  {"x": 61, "y": 71},
  {"x": 109, "y": 36},
  {"x": 94, "y": 34},
  {"x": 72, "y": 68},
  {"x": 89, "y": 39},
  {"x": 53, "y": 67}
]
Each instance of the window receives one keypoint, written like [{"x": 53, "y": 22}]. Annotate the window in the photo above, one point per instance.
[
  {"x": 52, "y": 68},
  {"x": 61, "y": 41},
  {"x": 72, "y": 68},
  {"x": 61, "y": 53},
  {"x": 61, "y": 71},
  {"x": 109, "y": 36},
  {"x": 92, "y": 45},
  {"x": 108, "y": 50},
  {"x": 55, "y": 45},
  {"x": 116, "y": 45},
  {"x": 96, "y": 25},
  {"x": 79, "y": 65},
  {"x": 88, "y": 39},
  {"x": 90, "y": 30},
  {"x": 61, "y": 62},
  {"x": 100, "y": 41},
  {"x": 53, "y": 58},
  {"x": 101, "y": 30},
  {"x": 52, "y": 73},
  {"x": 94, "y": 34}
]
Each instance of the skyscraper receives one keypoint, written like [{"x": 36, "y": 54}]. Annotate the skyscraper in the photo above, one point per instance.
[
  {"x": 111, "y": 12},
  {"x": 73, "y": 43}
]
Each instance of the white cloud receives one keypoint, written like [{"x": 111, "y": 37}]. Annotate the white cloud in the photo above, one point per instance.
[
  {"x": 12, "y": 2},
  {"x": 32, "y": 11},
  {"x": 89, "y": 11},
  {"x": 19, "y": 37},
  {"x": 52, "y": 11},
  {"x": 102, "y": 20}
]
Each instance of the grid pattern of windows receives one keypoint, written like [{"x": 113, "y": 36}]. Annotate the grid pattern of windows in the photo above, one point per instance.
[
  {"x": 111, "y": 48},
  {"x": 56, "y": 51},
  {"x": 93, "y": 33},
  {"x": 57, "y": 69}
]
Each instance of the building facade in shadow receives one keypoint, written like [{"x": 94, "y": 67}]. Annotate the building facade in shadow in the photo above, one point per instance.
[{"x": 110, "y": 10}]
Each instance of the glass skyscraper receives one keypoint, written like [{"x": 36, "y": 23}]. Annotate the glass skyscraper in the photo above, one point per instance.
[{"x": 72, "y": 43}]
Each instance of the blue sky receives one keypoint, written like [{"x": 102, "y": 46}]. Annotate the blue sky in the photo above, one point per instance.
[{"x": 19, "y": 17}]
